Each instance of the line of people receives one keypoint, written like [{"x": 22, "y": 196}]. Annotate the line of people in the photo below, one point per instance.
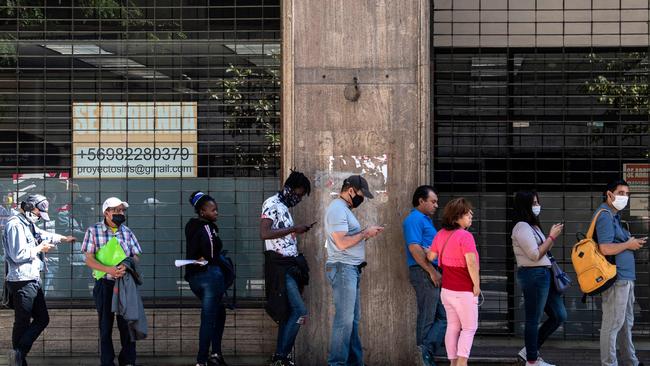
[{"x": 443, "y": 270}]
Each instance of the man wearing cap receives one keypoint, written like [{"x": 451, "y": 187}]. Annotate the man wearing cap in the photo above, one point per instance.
[
  {"x": 25, "y": 246},
  {"x": 98, "y": 235},
  {"x": 346, "y": 256}
]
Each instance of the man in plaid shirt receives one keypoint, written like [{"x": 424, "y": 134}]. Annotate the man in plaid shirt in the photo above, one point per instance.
[{"x": 96, "y": 237}]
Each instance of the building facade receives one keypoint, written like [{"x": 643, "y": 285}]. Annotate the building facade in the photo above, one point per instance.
[{"x": 152, "y": 100}]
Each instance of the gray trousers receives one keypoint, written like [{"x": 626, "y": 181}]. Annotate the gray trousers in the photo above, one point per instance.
[{"x": 616, "y": 327}]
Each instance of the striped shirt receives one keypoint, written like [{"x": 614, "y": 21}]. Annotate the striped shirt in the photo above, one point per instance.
[{"x": 99, "y": 234}]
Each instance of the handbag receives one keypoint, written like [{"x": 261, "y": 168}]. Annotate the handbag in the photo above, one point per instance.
[{"x": 561, "y": 279}]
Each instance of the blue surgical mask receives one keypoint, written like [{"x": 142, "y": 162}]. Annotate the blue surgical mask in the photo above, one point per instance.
[{"x": 536, "y": 210}]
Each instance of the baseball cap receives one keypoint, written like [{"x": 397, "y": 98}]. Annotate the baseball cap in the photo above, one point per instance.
[
  {"x": 40, "y": 202},
  {"x": 359, "y": 183},
  {"x": 113, "y": 202}
]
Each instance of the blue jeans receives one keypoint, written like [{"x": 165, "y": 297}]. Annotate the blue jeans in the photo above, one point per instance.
[
  {"x": 539, "y": 296},
  {"x": 208, "y": 286},
  {"x": 345, "y": 343},
  {"x": 432, "y": 319},
  {"x": 103, "y": 294},
  {"x": 288, "y": 329}
]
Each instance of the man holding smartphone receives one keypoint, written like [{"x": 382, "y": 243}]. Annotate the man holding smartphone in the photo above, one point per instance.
[
  {"x": 346, "y": 257},
  {"x": 618, "y": 300},
  {"x": 285, "y": 269},
  {"x": 25, "y": 246}
]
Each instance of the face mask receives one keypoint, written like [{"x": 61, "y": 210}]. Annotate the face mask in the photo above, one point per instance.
[
  {"x": 289, "y": 197},
  {"x": 32, "y": 217},
  {"x": 118, "y": 219},
  {"x": 536, "y": 210},
  {"x": 620, "y": 202},
  {"x": 357, "y": 200}
]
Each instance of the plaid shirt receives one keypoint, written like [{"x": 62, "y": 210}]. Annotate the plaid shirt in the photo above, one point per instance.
[{"x": 99, "y": 234}]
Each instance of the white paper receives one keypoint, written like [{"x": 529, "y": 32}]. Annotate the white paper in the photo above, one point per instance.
[{"x": 185, "y": 262}]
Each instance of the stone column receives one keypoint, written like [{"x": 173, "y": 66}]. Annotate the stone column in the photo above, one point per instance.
[{"x": 385, "y": 135}]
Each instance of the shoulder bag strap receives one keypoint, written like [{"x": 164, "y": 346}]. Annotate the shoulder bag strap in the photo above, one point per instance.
[{"x": 443, "y": 247}]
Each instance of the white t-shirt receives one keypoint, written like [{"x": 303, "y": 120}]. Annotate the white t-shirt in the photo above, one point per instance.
[{"x": 276, "y": 211}]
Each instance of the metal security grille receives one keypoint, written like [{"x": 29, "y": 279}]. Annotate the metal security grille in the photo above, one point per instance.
[
  {"x": 561, "y": 120},
  {"x": 221, "y": 58}
]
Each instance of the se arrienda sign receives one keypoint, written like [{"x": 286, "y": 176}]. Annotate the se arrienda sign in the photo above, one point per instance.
[{"x": 134, "y": 139}]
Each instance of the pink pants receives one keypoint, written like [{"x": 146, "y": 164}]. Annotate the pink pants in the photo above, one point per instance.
[{"x": 462, "y": 321}]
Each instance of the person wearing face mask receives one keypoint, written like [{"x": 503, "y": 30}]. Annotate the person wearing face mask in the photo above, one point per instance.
[
  {"x": 285, "y": 269},
  {"x": 25, "y": 245},
  {"x": 111, "y": 228},
  {"x": 618, "y": 300},
  {"x": 534, "y": 275},
  {"x": 424, "y": 275},
  {"x": 209, "y": 281},
  {"x": 346, "y": 257}
]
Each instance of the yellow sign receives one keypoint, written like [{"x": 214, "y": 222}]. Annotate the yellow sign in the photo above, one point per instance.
[{"x": 134, "y": 139}]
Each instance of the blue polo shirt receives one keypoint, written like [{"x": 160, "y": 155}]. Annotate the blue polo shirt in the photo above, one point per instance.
[
  {"x": 610, "y": 230},
  {"x": 418, "y": 229}
]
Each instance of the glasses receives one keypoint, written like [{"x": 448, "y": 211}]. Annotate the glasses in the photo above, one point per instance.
[{"x": 116, "y": 210}]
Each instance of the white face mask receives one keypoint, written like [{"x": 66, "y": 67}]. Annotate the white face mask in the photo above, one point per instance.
[
  {"x": 536, "y": 210},
  {"x": 620, "y": 202},
  {"x": 32, "y": 217}
]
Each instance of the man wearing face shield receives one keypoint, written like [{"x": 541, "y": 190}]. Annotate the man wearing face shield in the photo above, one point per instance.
[
  {"x": 346, "y": 257},
  {"x": 618, "y": 300},
  {"x": 25, "y": 246},
  {"x": 97, "y": 236}
]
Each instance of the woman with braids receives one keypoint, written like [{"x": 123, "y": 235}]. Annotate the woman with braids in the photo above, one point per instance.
[
  {"x": 208, "y": 282},
  {"x": 285, "y": 270}
]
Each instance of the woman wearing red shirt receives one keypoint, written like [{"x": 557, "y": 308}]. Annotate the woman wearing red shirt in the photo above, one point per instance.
[{"x": 455, "y": 249}]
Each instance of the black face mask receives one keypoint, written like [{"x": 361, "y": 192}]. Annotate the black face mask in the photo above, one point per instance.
[
  {"x": 118, "y": 219},
  {"x": 357, "y": 200}
]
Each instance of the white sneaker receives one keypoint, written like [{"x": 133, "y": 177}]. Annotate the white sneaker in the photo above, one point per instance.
[
  {"x": 539, "y": 362},
  {"x": 522, "y": 354}
]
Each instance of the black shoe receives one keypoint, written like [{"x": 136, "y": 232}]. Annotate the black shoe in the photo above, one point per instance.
[{"x": 216, "y": 360}]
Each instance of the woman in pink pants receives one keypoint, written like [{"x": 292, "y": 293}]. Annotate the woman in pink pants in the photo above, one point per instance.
[{"x": 455, "y": 249}]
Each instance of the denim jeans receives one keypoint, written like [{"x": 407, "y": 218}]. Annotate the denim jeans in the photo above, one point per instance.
[
  {"x": 540, "y": 297},
  {"x": 431, "y": 319},
  {"x": 288, "y": 329},
  {"x": 345, "y": 343},
  {"x": 103, "y": 294},
  {"x": 616, "y": 328},
  {"x": 208, "y": 286},
  {"x": 29, "y": 303}
]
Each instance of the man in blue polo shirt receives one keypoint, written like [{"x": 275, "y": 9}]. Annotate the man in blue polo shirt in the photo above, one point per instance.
[
  {"x": 424, "y": 275},
  {"x": 618, "y": 300}
]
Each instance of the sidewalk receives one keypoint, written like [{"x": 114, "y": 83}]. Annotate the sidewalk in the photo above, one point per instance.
[{"x": 486, "y": 351}]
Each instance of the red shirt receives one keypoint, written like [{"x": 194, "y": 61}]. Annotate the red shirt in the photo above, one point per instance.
[{"x": 455, "y": 275}]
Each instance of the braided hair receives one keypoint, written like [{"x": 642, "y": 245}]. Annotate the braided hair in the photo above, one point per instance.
[{"x": 296, "y": 180}]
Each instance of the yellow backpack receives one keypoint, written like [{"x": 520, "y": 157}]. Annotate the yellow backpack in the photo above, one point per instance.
[{"x": 594, "y": 272}]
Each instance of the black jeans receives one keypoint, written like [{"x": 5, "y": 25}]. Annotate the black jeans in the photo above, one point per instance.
[
  {"x": 29, "y": 303},
  {"x": 432, "y": 318},
  {"x": 103, "y": 294}
]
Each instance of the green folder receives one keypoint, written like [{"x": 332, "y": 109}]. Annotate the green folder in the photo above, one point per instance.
[{"x": 110, "y": 254}]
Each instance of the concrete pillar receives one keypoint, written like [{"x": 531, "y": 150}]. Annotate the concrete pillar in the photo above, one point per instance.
[{"x": 385, "y": 135}]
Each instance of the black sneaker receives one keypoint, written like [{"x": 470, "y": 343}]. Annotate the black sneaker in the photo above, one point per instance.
[{"x": 216, "y": 360}]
